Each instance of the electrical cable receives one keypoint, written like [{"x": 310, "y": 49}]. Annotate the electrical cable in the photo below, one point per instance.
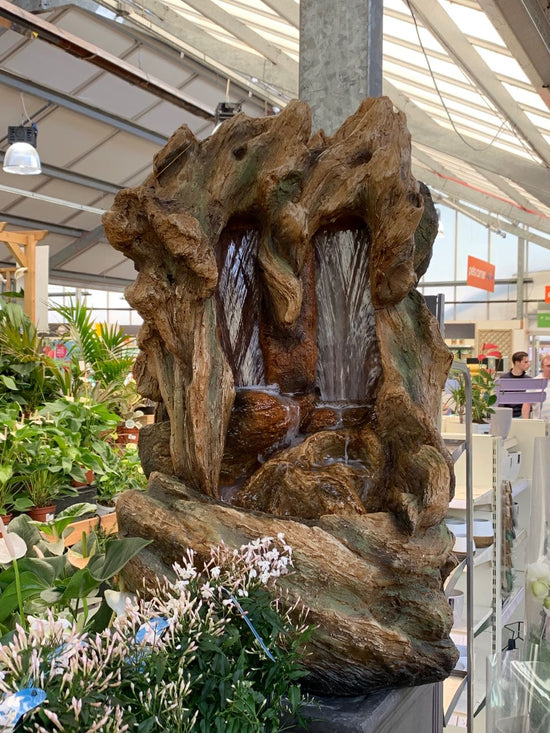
[{"x": 466, "y": 142}]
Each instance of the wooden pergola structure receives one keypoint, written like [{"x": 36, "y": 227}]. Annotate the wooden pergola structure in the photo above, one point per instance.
[{"x": 22, "y": 245}]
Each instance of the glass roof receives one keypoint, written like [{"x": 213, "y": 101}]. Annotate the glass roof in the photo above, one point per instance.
[
  {"x": 472, "y": 87},
  {"x": 446, "y": 57}
]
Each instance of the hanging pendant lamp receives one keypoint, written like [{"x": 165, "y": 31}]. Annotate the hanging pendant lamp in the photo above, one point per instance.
[{"x": 22, "y": 157}]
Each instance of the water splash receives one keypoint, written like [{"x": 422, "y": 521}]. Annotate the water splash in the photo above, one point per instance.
[
  {"x": 349, "y": 362},
  {"x": 239, "y": 306}
]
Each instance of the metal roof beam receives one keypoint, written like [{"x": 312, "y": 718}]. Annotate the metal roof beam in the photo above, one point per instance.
[
  {"x": 243, "y": 33},
  {"x": 20, "y": 221},
  {"x": 64, "y": 100},
  {"x": 512, "y": 208},
  {"x": 85, "y": 242},
  {"x": 72, "y": 177},
  {"x": 466, "y": 56},
  {"x": 526, "y": 31},
  {"x": 488, "y": 219},
  {"x": 531, "y": 176},
  {"x": 495, "y": 206},
  {"x": 83, "y": 279},
  {"x": 172, "y": 28},
  {"x": 103, "y": 59},
  {"x": 287, "y": 9}
]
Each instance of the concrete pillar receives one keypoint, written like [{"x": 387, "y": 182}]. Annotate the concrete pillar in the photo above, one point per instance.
[{"x": 340, "y": 57}]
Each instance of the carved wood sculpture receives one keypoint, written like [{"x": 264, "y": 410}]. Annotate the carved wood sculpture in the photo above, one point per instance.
[{"x": 240, "y": 241}]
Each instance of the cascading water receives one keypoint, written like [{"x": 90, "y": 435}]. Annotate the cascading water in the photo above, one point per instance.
[
  {"x": 239, "y": 306},
  {"x": 349, "y": 363}
]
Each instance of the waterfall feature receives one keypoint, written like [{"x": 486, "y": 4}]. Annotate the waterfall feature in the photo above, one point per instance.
[
  {"x": 239, "y": 306},
  {"x": 349, "y": 363}
]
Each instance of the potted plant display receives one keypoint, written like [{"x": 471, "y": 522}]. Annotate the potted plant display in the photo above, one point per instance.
[
  {"x": 46, "y": 461},
  {"x": 27, "y": 375},
  {"x": 8, "y": 451},
  {"x": 483, "y": 396},
  {"x": 122, "y": 471}
]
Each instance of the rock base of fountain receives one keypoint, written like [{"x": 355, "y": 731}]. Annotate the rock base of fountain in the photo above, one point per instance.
[{"x": 373, "y": 591}]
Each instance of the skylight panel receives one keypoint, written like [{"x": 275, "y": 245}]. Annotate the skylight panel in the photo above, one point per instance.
[
  {"x": 502, "y": 64},
  {"x": 472, "y": 22}
]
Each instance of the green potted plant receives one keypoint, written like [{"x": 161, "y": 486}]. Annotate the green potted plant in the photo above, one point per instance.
[
  {"x": 8, "y": 452},
  {"x": 46, "y": 461},
  {"x": 483, "y": 396},
  {"x": 122, "y": 471},
  {"x": 90, "y": 423},
  {"x": 27, "y": 375}
]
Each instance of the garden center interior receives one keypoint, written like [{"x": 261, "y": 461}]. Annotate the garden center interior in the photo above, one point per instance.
[{"x": 103, "y": 85}]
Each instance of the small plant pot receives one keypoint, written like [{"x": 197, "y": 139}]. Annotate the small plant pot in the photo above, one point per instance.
[
  {"x": 125, "y": 435},
  {"x": 85, "y": 494},
  {"x": 6, "y": 518},
  {"x": 89, "y": 480},
  {"x": 103, "y": 509},
  {"x": 41, "y": 513}
]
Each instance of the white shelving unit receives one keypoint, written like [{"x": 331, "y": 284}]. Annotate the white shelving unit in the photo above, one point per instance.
[
  {"x": 461, "y": 681},
  {"x": 491, "y": 610}
]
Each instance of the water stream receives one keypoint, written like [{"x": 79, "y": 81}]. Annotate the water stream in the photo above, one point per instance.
[
  {"x": 239, "y": 305},
  {"x": 349, "y": 361}
]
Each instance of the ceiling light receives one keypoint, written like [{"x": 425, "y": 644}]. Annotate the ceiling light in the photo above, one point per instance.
[
  {"x": 224, "y": 111},
  {"x": 21, "y": 157}
]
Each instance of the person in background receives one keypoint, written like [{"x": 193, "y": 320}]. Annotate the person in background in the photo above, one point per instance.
[
  {"x": 520, "y": 365},
  {"x": 541, "y": 411}
]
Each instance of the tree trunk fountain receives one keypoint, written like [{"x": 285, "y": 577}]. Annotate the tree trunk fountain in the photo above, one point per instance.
[{"x": 299, "y": 375}]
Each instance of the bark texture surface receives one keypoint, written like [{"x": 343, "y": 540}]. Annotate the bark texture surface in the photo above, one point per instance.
[{"x": 230, "y": 237}]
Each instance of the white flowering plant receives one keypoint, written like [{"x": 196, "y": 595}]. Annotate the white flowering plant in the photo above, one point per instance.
[
  {"x": 537, "y": 605},
  {"x": 214, "y": 650}
]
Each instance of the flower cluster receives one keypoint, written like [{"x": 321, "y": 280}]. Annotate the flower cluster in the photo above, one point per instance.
[
  {"x": 212, "y": 650},
  {"x": 538, "y": 600}
]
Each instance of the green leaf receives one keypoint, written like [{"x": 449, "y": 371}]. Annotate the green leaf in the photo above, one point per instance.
[
  {"x": 80, "y": 585},
  {"x": 101, "y": 619},
  {"x": 31, "y": 587},
  {"x": 118, "y": 552},
  {"x": 9, "y": 382}
]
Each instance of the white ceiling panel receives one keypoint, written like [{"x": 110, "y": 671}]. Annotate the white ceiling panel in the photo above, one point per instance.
[
  {"x": 97, "y": 260},
  {"x": 164, "y": 118},
  {"x": 117, "y": 96},
  {"x": 117, "y": 159},
  {"x": 44, "y": 63},
  {"x": 107, "y": 36},
  {"x": 176, "y": 74},
  {"x": 65, "y": 136}
]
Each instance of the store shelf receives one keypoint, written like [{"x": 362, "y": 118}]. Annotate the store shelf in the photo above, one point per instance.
[
  {"x": 482, "y": 616},
  {"x": 483, "y": 555},
  {"x": 453, "y": 687},
  {"x": 455, "y": 446},
  {"x": 520, "y": 485},
  {"x": 454, "y": 577},
  {"x": 482, "y": 497},
  {"x": 516, "y": 598}
]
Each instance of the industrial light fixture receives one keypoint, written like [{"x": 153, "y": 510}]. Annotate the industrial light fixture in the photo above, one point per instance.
[
  {"x": 22, "y": 157},
  {"x": 224, "y": 111}
]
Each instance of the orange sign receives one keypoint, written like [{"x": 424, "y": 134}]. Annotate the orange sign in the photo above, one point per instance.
[
  {"x": 481, "y": 274},
  {"x": 547, "y": 293}
]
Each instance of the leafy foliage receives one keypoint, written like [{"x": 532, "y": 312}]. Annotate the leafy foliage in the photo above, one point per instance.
[
  {"x": 27, "y": 376},
  {"x": 186, "y": 661},
  {"x": 70, "y": 583},
  {"x": 483, "y": 395},
  {"x": 106, "y": 356}
]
